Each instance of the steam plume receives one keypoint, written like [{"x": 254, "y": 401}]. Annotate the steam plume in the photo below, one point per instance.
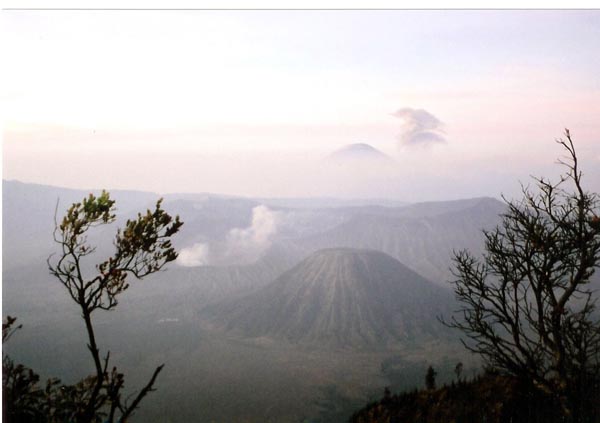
[
  {"x": 241, "y": 245},
  {"x": 247, "y": 244},
  {"x": 419, "y": 127},
  {"x": 196, "y": 255}
]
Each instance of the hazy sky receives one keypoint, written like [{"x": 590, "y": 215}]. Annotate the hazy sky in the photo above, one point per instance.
[{"x": 249, "y": 102}]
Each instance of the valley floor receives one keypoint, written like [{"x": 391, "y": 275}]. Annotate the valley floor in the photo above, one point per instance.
[{"x": 213, "y": 376}]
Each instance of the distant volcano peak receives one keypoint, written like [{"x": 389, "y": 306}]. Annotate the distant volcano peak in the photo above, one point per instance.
[
  {"x": 358, "y": 151},
  {"x": 360, "y": 146}
]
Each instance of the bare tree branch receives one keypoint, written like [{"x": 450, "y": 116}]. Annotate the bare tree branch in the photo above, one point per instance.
[{"x": 527, "y": 307}]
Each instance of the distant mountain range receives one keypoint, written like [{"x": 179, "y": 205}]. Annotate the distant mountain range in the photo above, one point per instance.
[
  {"x": 423, "y": 236},
  {"x": 341, "y": 296}
]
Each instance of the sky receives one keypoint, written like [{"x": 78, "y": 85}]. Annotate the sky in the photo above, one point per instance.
[{"x": 465, "y": 103}]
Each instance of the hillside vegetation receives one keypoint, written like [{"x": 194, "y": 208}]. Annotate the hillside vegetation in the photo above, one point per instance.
[{"x": 491, "y": 398}]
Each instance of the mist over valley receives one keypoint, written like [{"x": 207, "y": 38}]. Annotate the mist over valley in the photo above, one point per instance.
[{"x": 275, "y": 310}]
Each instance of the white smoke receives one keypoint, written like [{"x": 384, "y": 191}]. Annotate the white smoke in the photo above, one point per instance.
[
  {"x": 196, "y": 255},
  {"x": 419, "y": 127},
  {"x": 247, "y": 244},
  {"x": 241, "y": 245}
]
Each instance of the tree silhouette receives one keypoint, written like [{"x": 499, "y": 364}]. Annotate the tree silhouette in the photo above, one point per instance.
[
  {"x": 527, "y": 308},
  {"x": 458, "y": 369},
  {"x": 430, "y": 378},
  {"x": 21, "y": 396},
  {"x": 142, "y": 247}
]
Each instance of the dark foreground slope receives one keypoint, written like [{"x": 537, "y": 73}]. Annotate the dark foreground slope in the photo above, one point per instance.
[
  {"x": 341, "y": 296},
  {"x": 491, "y": 398}
]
